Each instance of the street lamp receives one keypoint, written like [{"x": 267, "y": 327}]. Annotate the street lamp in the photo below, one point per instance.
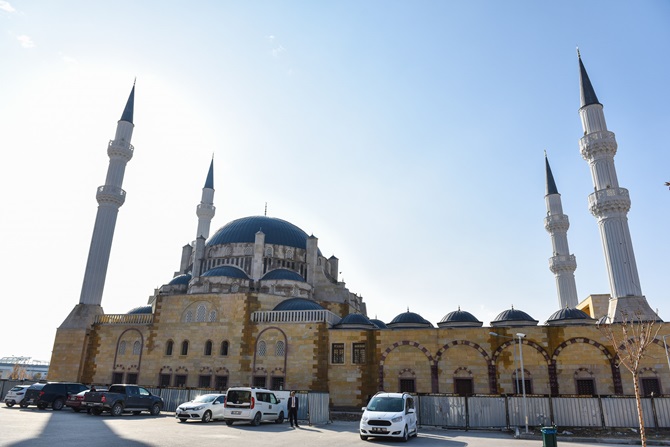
[
  {"x": 516, "y": 376},
  {"x": 523, "y": 379},
  {"x": 665, "y": 344}
]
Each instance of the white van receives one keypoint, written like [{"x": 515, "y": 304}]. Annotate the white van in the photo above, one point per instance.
[
  {"x": 253, "y": 405},
  {"x": 389, "y": 415}
]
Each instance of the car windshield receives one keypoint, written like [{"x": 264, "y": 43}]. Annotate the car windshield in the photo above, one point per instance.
[
  {"x": 391, "y": 404},
  {"x": 18, "y": 388},
  {"x": 205, "y": 398}
]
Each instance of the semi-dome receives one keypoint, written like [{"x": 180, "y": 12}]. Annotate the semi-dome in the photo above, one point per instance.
[
  {"x": 355, "y": 321},
  {"x": 180, "y": 280},
  {"x": 226, "y": 270},
  {"x": 277, "y": 231},
  {"x": 459, "y": 318},
  {"x": 409, "y": 320},
  {"x": 513, "y": 317},
  {"x": 283, "y": 274},
  {"x": 298, "y": 304},
  {"x": 140, "y": 310},
  {"x": 569, "y": 316},
  {"x": 379, "y": 323}
]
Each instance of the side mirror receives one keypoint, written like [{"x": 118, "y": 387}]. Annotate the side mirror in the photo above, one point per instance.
[{"x": 364, "y": 408}]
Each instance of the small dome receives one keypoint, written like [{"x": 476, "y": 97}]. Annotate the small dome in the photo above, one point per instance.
[
  {"x": 569, "y": 316},
  {"x": 283, "y": 274},
  {"x": 354, "y": 321},
  {"x": 379, "y": 323},
  {"x": 459, "y": 318},
  {"x": 180, "y": 279},
  {"x": 140, "y": 310},
  {"x": 513, "y": 317},
  {"x": 226, "y": 270},
  {"x": 409, "y": 320},
  {"x": 298, "y": 304}
]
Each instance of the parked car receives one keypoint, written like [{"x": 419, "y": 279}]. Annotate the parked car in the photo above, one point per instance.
[
  {"x": 31, "y": 394},
  {"x": 52, "y": 394},
  {"x": 15, "y": 395},
  {"x": 74, "y": 400},
  {"x": 389, "y": 415},
  {"x": 206, "y": 408},
  {"x": 253, "y": 405},
  {"x": 122, "y": 398}
]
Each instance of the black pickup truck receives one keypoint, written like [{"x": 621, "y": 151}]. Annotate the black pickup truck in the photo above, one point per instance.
[{"x": 121, "y": 398}]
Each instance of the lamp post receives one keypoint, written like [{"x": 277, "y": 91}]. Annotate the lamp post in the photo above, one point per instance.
[
  {"x": 523, "y": 380},
  {"x": 516, "y": 376},
  {"x": 665, "y": 344}
]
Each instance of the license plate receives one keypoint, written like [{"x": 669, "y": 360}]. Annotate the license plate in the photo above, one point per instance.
[
  {"x": 236, "y": 412},
  {"x": 378, "y": 430}
]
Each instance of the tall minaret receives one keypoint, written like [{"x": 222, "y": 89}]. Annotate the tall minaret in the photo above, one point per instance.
[
  {"x": 205, "y": 212},
  {"x": 610, "y": 204},
  {"x": 69, "y": 358},
  {"x": 110, "y": 197},
  {"x": 562, "y": 263}
]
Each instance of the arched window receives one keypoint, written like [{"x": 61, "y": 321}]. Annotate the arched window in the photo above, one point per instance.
[
  {"x": 184, "y": 347},
  {"x": 122, "y": 348},
  {"x": 208, "y": 347},
  {"x": 168, "y": 347},
  {"x": 289, "y": 254},
  {"x": 137, "y": 348},
  {"x": 189, "y": 316},
  {"x": 212, "y": 316},
  {"x": 224, "y": 347},
  {"x": 200, "y": 313},
  {"x": 280, "y": 349},
  {"x": 262, "y": 349},
  {"x": 268, "y": 251}
]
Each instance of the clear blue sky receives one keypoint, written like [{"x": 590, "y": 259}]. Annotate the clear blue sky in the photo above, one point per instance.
[{"x": 408, "y": 136}]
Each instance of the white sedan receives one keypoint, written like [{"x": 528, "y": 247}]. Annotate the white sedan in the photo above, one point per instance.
[
  {"x": 15, "y": 395},
  {"x": 206, "y": 408}
]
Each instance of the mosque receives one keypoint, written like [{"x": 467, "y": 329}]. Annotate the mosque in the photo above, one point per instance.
[{"x": 257, "y": 303}]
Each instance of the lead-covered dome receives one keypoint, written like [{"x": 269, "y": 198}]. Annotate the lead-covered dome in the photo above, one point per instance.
[
  {"x": 409, "y": 320},
  {"x": 513, "y": 317},
  {"x": 459, "y": 318},
  {"x": 298, "y": 304},
  {"x": 278, "y": 274},
  {"x": 569, "y": 316},
  {"x": 277, "y": 231},
  {"x": 140, "y": 310},
  {"x": 355, "y": 321},
  {"x": 226, "y": 270},
  {"x": 180, "y": 280}
]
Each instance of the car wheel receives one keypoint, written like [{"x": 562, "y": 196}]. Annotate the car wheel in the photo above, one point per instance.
[
  {"x": 182, "y": 419},
  {"x": 364, "y": 438},
  {"x": 155, "y": 410},
  {"x": 257, "y": 419},
  {"x": 57, "y": 404},
  {"x": 76, "y": 410},
  {"x": 96, "y": 411},
  {"x": 41, "y": 407},
  {"x": 135, "y": 413},
  {"x": 207, "y": 417},
  {"x": 9, "y": 403},
  {"x": 116, "y": 410},
  {"x": 405, "y": 435},
  {"x": 22, "y": 405},
  {"x": 280, "y": 419},
  {"x": 229, "y": 422}
]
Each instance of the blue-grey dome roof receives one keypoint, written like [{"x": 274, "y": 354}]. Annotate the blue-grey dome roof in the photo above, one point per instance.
[
  {"x": 379, "y": 323},
  {"x": 140, "y": 310},
  {"x": 513, "y": 316},
  {"x": 180, "y": 279},
  {"x": 356, "y": 320},
  {"x": 283, "y": 274},
  {"x": 276, "y": 231},
  {"x": 569, "y": 314},
  {"x": 409, "y": 319},
  {"x": 459, "y": 318},
  {"x": 226, "y": 270},
  {"x": 298, "y": 304}
]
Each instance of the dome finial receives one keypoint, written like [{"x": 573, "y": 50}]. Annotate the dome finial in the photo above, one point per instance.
[{"x": 579, "y": 55}]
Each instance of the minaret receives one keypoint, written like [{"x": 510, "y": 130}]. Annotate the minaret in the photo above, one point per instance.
[
  {"x": 110, "y": 197},
  {"x": 562, "y": 263},
  {"x": 610, "y": 203},
  {"x": 205, "y": 212},
  {"x": 69, "y": 358}
]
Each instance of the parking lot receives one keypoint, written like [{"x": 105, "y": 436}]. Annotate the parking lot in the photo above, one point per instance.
[{"x": 34, "y": 428}]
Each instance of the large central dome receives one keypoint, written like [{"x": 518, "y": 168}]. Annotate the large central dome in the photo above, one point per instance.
[{"x": 276, "y": 231}]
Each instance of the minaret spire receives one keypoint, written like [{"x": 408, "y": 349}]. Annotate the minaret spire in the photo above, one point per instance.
[
  {"x": 610, "y": 203},
  {"x": 110, "y": 198},
  {"x": 562, "y": 263},
  {"x": 205, "y": 212}
]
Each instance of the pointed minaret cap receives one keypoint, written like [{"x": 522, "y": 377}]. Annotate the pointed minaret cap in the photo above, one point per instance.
[
  {"x": 209, "y": 183},
  {"x": 551, "y": 184},
  {"x": 587, "y": 94},
  {"x": 130, "y": 105}
]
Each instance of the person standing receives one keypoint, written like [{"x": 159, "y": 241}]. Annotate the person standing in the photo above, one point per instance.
[{"x": 293, "y": 409}]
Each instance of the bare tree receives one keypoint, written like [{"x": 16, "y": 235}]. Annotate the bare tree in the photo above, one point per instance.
[
  {"x": 18, "y": 373},
  {"x": 630, "y": 339}
]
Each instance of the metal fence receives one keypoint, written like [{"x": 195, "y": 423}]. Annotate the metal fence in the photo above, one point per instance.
[{"x": 510, "y": 411}]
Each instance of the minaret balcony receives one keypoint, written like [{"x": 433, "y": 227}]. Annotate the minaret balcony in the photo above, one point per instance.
[
  {"x": 609, "y": 200},
  {"x": 205, "y": 211},
  {"x": 110, "y": 194},
  {"x": 120, "y": 149},
  {"x": 563, "y": 263},
  {"x": 557, "y": 222},
  {"x": 598, "y": 143}
]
